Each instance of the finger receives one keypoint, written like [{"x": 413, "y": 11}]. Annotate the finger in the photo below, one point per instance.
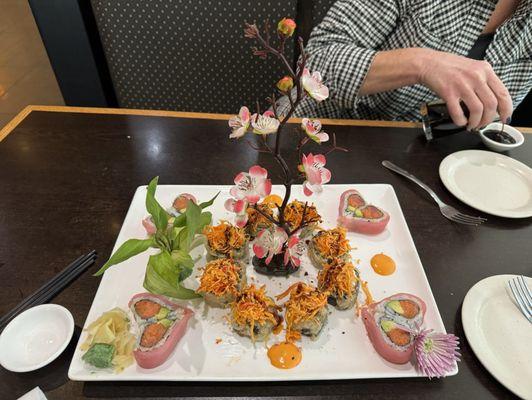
[
  {"x": 455, "y": 111},
  {"x": 505, "y": 106},
  {"x": 489, "y": 103},
  {"x": 475, "y": 107}
]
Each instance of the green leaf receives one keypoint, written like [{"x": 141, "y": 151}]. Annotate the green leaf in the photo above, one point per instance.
[
  {"x": 193, "y": 215},
  {"x": 130, "y": 248},
  {"x": 163, "y": 275},
  {"x": 159, "y": 215},
  {"x": 209, "y": 203}
]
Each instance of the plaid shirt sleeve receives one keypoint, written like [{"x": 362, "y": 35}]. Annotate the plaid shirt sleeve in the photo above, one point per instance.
[{"x": 344, "y": 45}]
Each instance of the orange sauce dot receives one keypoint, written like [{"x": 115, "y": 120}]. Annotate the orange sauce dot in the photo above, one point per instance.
[
  {"x": 284, "y": 355},
  {"x": 382, "y": 264}
]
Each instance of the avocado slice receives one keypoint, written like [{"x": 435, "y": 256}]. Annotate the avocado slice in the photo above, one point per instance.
[
  {"x": 100, "y": 355},
  {"x": 163, "y": 312},
  {"x": 166, "y": 323},
  {"x": 395, "y": 305},
  {"x": 387, "y": 325}
]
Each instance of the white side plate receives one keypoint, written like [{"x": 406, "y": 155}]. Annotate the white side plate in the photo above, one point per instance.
[
  {"x": 499, "y": 334},
  {"x": 489, "y": 182},
  {"x": 343, "y": 350}
]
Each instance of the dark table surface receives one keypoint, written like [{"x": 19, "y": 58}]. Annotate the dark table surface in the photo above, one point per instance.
[{"x": 66, "y": 181}]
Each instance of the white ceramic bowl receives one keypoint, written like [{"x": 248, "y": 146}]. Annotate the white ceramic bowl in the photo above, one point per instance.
[
  {"x": 496, "y": 146},
  {"x": 35, "y": 337}
]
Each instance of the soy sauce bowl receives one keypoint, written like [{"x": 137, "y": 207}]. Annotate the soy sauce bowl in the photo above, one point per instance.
[{"x": 497, "y": 146}]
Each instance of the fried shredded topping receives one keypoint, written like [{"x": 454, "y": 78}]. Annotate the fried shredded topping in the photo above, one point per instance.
[
  {"x": 332, "y": 242},
  {"x": 337, "y": 278},
  {"x": 293, "y": 214},
  {"x": 224, "y": 238},
  {"x": 252, "y": 306},
  {"x": 256, "y": 220},
  {"x": 304, "y": 304},
  {"x": 220, "y": 277}
]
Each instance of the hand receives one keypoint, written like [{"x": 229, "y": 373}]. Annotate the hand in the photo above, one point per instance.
[{"x": 455, "y": 78}]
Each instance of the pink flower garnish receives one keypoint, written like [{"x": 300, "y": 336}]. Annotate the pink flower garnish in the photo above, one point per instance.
[
  {"x": 315, "y": 172},
  {"x": 252, "y": 186},
  {"x": 294, "y": 250},
  {"x": 313, "y": 85},
  {"x": 240, "y": 123},
  {"x": 180, "y": 202},
  {"x": 312, "y": 128},
  {"x": 239, "y": 207},
  {"x": 264, "y": 124},
  {"x": 269, "y": 242},
  {"x": 436, "y": 353},
  {"x": 149, "y": 225}
]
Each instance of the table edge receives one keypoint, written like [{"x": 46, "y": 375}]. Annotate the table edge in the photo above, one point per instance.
[{"x": 11, "y": 125}]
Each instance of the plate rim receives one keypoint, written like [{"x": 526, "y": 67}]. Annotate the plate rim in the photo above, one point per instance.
[
  {"x": 444, "y": 165},
  {"x": 466, "y": 314}
]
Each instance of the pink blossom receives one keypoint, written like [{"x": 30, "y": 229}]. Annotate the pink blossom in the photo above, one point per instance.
[
  {"x": 315, "y": 173},
  {"x": 312, "y": 128},
  {"x": 294, "y": 250},
  {"x": 286, "y": 27},
  {"x": 264, "y": 124},
  {"x": 313, "y": 85},
  {"x": 436, "y": 353},
  {"x": 269, "y": 242},
  {"x": 239, "y": 207},
  {"x": 252, "y": 186},
  {"x": 240, "y": 123}
]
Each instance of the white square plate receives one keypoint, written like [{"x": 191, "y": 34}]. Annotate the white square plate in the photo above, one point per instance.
[{"x": 343, "y": 350}]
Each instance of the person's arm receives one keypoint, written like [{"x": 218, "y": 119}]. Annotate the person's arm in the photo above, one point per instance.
[{"x": 343, "y": 47}]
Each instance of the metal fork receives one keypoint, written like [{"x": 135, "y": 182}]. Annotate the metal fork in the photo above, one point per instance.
[
  {"x": 522, "y": 296},
  {"x": 448, "y": 211}
]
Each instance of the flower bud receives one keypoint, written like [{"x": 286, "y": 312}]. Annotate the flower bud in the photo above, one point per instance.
[
  {"x": 285, "y": 84},
  {"x": 286, "y": 27}
]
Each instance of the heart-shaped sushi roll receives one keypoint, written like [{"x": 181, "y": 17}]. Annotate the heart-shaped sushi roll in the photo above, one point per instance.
[
  {"x": 221, "y": 282},
  {"x": 226, "y": 241},
  {"x": 253, "y": 314},
  {"x": 327, "y": 246},
  {"x": 358, "y": 216},
  {"x": 306, "y": 311},
  {"x": 390, "y": 323},
  {"x": 340, "y": 281},
  {"x": 161, "y": 324}
]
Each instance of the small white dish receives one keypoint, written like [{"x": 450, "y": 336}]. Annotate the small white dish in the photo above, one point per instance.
[
  {"x": 489, "y": 182},
  {"x": 35, "y": 337},
  {"x": 496, "y": 146},
  {"x": 499, "y": 334}
]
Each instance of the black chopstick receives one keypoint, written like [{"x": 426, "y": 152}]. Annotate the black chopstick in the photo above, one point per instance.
[{"x": 52, "y": 287}]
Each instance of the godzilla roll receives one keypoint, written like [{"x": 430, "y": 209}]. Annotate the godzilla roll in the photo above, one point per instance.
[
  {"x": 328, "y": 245},
  {"x": 340, "y": 281},
  {"x": 161, "y": 324},
  {"x": 390, "y": 323},
  {"x": 221, "y": 282},
  {"x": 257, "y": 220},
  {"x": 253, "y": 314},
  {"x": 226, "y": 241}
]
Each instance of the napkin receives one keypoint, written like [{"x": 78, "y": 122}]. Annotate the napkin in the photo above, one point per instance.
[{"x": 35, "y": 394}]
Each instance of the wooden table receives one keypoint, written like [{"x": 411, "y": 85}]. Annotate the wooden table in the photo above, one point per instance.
[{"x": 67, "y": 176}]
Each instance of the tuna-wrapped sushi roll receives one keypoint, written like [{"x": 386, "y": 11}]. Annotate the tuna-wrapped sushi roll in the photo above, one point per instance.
[
  {"x": 327, "y": 246},
  {"x": 257, "y": 221},
  {"x": 294, "y": 213},
  {"x": 389, "y": 324},
  {"x": 221, "y": 282},
  {"x": 358, "y": 216},
  {"x": 161, "y": 324},
  {"x": 226, "y": 241},
  {"x": 253, "y": 314},
  {"x": 306, "y": 311},
  {"x": 340, "y": 280}
]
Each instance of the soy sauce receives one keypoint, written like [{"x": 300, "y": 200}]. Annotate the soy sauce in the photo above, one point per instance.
[{"x": 499, "y": 136}]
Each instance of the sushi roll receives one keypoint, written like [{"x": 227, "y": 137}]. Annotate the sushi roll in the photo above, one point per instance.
[
  {"x": 390, "y": 323},
  {"x": 340, "y": 280},
  {"x": 161, "y": 324},
  {"x": 293, "y": 216},
  {"x": 257, "y": 221},
  {"x": 358, "y": 216},
  {"x": 254, "y": 315},
  {"x": 221, "y": 282},
  {"x": 179, "y": 205},
  {"x": 328, "y": 245},
  {"x": 306, "y": 311},
  {"x": 226, "y": 241}
]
